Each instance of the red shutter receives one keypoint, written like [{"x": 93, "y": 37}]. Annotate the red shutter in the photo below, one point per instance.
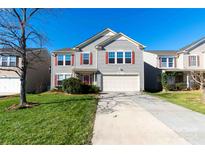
[
  {"x": 55, "y": 60},
  {"x": 160, "y": 62},
  {"x": 55, "y": 80},
  {"x": 73, "y": 59},
  {"x": 91, "y": 58},
  {"x": 106, "y": 57},
  {"x": 81, "y": 58},
  {"x": 133, "y": 57},
  {"x": 175, "y": 62},
  {"x": 198, "y": 60}
]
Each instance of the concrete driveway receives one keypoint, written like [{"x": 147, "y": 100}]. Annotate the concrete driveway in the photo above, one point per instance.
[{"x": 131, "y": 118}]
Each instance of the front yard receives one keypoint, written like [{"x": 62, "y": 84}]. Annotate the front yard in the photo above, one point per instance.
[
  {"x": 59, "y": 119},
  {"x": 189, "y": 99}
]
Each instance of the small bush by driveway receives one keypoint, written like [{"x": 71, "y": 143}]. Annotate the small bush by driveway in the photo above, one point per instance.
[{"x": 59, "y": 119}]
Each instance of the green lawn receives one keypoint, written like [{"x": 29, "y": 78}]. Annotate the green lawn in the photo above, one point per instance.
[
  {"x": 59, "y": 119},
  {"x": 189, "y": 99}
]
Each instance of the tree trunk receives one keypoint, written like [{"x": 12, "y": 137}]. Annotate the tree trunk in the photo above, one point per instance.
[
  {"x": 203, "y": 94},
  {"x": 23, "y": 100}
]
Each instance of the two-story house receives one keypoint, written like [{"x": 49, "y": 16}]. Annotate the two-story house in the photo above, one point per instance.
[
  {"x": 184, "y": 61},
  {"x": 110, "y": 60},
  {"x": 38, "y": 72}
]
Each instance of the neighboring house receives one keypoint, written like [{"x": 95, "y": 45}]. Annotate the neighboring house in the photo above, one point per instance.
[
  {"x": 184, "y": 61},
  {"x": 38, "y": 73},
  {"x": 109, "y": 60}
]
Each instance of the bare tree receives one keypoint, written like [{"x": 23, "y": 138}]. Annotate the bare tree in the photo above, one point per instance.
[
  {"x": 17, "y": 32},
  {"x": 198, "y": 77}
]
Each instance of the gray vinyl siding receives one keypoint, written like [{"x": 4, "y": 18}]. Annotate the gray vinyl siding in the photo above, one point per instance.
[
  {"x": 91, "y": 46},
  {"x": 77, "y": 60},
  {"x": 58, "y": 69},
  {"x": 137, "y": 68}
]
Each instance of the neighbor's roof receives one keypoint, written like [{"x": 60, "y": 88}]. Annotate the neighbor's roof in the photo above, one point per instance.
[
  {"x": 193, "y": 44},
  {"x": 116, "y": 36},
  {"x": 163, "y": 52},
  {"x": 96, "y": 36},
  {"x": 11, "y": 51},
  {"x": 64, "y": 50}
]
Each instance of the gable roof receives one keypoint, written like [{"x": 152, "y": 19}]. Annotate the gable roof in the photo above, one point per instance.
[
  {"x": 193, "y": 45},
  {"x": 96, "y": 36},
  {"x": 116, "y": 36}
]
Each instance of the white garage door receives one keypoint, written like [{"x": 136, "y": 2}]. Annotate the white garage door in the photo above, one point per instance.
[
  {"x": 121, "y": 83},
  {"x": 9, "y": 85}
]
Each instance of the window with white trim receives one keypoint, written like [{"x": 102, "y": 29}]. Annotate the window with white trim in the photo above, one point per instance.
[
  {"x": 193, "y": 61},
  {"x": 120, "y": 57},
  {"x": 4, "y": 61},
  {"x": 67, "y": 59},
  {"x": 167, "y": 62},
  {"x": 60, "y": 59},
  {"x": 12, "y": 61},
  {"x": 128, "y": 57},
  {"x": 86, "y": 58},
  {"x": 61, "y": 77},
  {"x": 111, "y": 57},
  {"x": 8, "y": 61}
]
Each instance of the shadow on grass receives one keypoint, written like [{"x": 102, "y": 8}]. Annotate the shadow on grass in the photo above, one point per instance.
[{"x": 63, "y": 101}]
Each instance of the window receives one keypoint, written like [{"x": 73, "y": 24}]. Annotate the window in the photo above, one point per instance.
[
  {"x": 86, "y": 58},
  {"x": 167, "y": 62},
  {"x": 62, "y": 77},
  {"x": 193, "y": 60},
  {"x": 60, "y": 59},
  {"x": 111, "y": 57},
  {"x": 164, "y": 62},
  {"x": 4, "y": 61},
  {"x": 12, "y": 61},
  {"x": 128, "y": 57},
  {"x": 67, "y": 59},
  {"x": 119, "y": 57},
  {"x": 171, "y": 64}
]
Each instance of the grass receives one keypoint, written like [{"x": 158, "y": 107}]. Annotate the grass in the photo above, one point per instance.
[
  {"x": 59, "y": 119},
  {"x": 188, "y": 99}
]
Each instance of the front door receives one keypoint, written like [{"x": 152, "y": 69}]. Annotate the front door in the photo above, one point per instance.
[{"x": 86, "y": 79}]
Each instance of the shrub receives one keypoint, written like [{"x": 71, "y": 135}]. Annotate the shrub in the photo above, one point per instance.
[
  {"x": 86, "y": 89},
  {"x": 195, "y": 86},
  {"x": 72, "y": 86},
  {"x": 171, "y": 87},
  {"x": 75, "y": 86},
  {"x": 181, "y": 86},
  {"x": 94, "y": 89}
]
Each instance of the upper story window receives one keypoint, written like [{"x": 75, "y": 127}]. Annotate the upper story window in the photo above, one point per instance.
[
  {"x": 119, "y": 57},
  {"x": 192, "y": 60},
  {"x": 67, "y": 59},
  {"x": 63, "y": 59},
  {"x": 60, "y": 59},
  {"x": 4, "y": 61},
  {"x": 167, "y": 62},
  {"x": 128, "y": 58},
  {"x": 8, "y": 61},
  {"x": 111, "y": 57},
  {"x": 12, "y": 61},
  {"x": 86, "y": 58}
]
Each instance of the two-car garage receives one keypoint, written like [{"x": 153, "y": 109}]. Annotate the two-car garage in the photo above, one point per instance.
[{"x": 121, "y": 83}]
